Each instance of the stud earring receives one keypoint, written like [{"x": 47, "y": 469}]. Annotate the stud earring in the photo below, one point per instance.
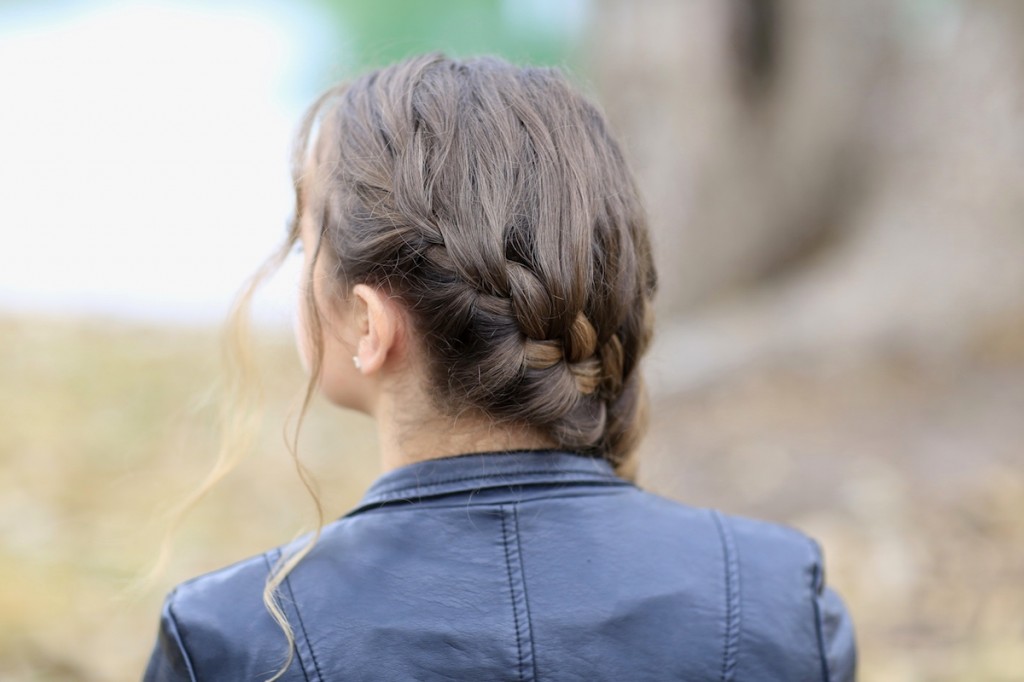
[{"x": 357, "y": 362}]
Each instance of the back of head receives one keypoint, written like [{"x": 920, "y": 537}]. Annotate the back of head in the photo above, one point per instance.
[{"x": 493, "y": 202}]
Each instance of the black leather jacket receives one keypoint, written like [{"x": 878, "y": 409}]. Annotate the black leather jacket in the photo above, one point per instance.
[{"x": 520, "y": 566}]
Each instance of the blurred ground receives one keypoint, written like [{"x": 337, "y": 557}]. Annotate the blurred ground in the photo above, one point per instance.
[
  {"x": 910, "y": 474},
  {"x": 107, "y": 427}
]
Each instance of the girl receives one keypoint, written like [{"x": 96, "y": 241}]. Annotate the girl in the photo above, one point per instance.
[{"x": 478, "y": 278}]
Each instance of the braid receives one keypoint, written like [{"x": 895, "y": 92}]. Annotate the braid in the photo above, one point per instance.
[
  {"x": 525, "y": 303},
  {"x": 495, "y": 204}
]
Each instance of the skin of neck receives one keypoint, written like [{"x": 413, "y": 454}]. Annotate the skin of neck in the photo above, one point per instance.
[{"x": 409, "y": 431}]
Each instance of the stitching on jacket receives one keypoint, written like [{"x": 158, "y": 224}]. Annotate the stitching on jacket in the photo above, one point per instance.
[
  {"x": 554, "y": 475},
  {"x": 511, "y": 591},
  {"x": 413, "y": 494},
  {"x": 298, "y": 617},
  {"x": 560, "y": 493},
  {"x": 526, "y": 598},
  {"x": 817, "y": 581},
  {"x": 180, "y": 641},
  {"x": 732, "y": 597}
]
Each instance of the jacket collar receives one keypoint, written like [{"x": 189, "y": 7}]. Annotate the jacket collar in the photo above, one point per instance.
[{"x": 482, "y": 470}]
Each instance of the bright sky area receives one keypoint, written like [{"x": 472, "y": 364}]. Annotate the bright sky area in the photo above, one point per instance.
[
  {"x": 144, "y": 153},
  {"x": 144, "y": 147}
]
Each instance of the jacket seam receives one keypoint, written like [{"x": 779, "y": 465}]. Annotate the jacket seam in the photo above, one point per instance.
[
  {"x": 180, "y": 641},
  {"x": 512, "y": 593},
  {"x": 526, "y": 597},
  {"x": 302, "y": 627},
  {"x": 816, "y": 584},
  {"x": 733, "y": 616},
  {"x": 305, "y": 634}
]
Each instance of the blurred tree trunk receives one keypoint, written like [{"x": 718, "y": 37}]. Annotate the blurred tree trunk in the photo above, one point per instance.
[
  {"x": 822, "y": 177},
  {"x": 742, "y": 119}
]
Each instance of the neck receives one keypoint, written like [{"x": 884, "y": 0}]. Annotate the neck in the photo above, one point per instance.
[{"x": 405, "y": 440}]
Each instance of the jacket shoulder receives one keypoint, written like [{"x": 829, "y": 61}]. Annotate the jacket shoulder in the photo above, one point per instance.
[
  {"x": 216, "y": 626},
  {"x": 789, "y": 620}
]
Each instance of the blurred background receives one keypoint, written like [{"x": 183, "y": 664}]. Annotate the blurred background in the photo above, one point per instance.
[{"x": 837, "y": 195}]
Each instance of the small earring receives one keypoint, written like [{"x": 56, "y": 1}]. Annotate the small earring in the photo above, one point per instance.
[{"x": 357, "y": 362}]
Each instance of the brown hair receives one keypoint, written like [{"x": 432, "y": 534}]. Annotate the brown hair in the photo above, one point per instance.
[{"x": 495, "y": 204}]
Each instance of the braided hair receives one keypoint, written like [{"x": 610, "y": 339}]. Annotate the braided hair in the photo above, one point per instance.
[{"x": 494, "y": 203}]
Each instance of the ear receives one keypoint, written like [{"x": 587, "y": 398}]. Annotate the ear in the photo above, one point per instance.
[{"x": 378, "y": 327}]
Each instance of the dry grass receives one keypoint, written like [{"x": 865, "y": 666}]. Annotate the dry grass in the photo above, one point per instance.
[{"x": 107, "y": 427}]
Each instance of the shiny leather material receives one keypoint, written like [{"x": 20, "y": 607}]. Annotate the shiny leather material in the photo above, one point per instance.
[{"x": 520, "y": 566}]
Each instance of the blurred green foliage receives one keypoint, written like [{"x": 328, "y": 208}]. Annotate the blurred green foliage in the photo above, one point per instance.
[{"x": 380, "y": 32}]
